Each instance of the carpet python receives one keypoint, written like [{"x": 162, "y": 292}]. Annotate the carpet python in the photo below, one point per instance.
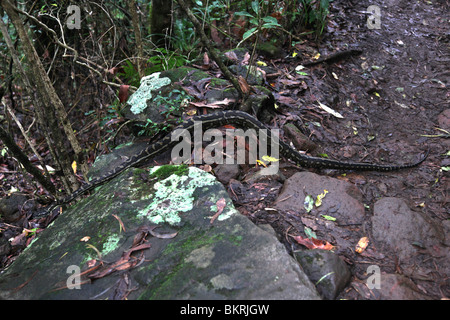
[{"x": 217, "y": 119}]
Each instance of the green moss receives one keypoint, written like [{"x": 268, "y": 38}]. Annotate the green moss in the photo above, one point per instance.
[
  {"x": 178, "y": 260},
  {"x": 167, "y": 170},
  {"x": 216, "y": 82}
]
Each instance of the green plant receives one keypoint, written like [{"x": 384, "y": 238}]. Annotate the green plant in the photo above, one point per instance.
[
  {"x": 164, "y": 59},
  {"x": 161, "y": 60},
  {"x": 173, "y": 103},
  {"x": 183, "y": 37},
  {"x": 170, "y": 104},
  {"x": 258, "y": 21},
  {"x": 130, "y": 74},
  {"x": 313, "y": 14}
]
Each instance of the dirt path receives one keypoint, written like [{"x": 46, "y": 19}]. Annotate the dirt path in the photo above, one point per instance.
[{"x": 390, "y": 96}]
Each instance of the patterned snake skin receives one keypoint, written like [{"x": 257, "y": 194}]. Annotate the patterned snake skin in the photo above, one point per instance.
[{"x": 217, "y": 119}]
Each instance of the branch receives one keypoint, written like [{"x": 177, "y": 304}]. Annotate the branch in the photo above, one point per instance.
[
  {"x": 212, "y": 51},
  {"x": 23, "y": 159}
]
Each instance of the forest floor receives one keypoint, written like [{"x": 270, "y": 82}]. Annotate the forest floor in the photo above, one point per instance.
[{"x": 394, "y": 99}]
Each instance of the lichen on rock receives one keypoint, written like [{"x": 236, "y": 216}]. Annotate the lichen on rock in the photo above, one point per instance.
[
  {"x": 175, "y": 194},
  {"x": 138, "y": 100}
]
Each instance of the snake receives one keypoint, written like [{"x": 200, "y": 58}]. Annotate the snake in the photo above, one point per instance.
[{"x": 218, "y": 119}]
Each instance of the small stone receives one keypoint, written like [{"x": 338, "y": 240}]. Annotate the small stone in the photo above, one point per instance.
[{"x": 326, "y": 270}]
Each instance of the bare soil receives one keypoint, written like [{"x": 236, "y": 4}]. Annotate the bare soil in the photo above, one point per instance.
[{"x": 394, "y": 98}]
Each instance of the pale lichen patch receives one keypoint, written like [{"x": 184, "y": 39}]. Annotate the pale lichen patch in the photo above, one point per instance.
[
  {"x": 174, "y": 195},
  {"x": 138, "y": 100}
]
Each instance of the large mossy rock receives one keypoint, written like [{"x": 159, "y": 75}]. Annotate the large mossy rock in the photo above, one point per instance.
[{"x": 159, "y": 236}]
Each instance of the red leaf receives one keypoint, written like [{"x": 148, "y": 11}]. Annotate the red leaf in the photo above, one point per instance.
[
  {"x": 312, "y": 243},
  {"x": 220, "y": 206},
  {"x": 123, "y": 93}
]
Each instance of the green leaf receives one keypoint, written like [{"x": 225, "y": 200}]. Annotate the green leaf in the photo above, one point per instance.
[
  {"x": 308, "y": 203},
  {"x": 254, "y": 21},
  {"x": 309, "y": 233},
  {"x": 244, "y": 13},
  {"x": 270, "y": 22},
  {"x": 269, "y": 26},
  {"x": 249, "y": 33},
  {"x": 255, "y": 7},
  {"x": 330, "y": 218}
]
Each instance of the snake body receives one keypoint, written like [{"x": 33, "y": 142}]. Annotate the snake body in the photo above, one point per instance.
[{"x": 217, "y": 119}]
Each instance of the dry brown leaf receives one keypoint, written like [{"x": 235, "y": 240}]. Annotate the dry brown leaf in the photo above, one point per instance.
[
  {"x": 245, "y": 87},
  {"x": 162, "y": 235},
  {"x": 213, "y": 105},
  {"x": 122, "y": 226}
]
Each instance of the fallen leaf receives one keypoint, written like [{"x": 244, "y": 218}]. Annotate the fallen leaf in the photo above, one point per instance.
[
  {"x": 362, "y": 244},
  {"x": 319, "y": 198},
  {"x": 122, "y": 226},
  {"x": 309, "y": 233},
  {"x": 162, "y": 235},
  {"x": 123, "y": 93},
  {"x": 243, "y": 84},
  {"x": 220, "y": 206},
  {"x": 213, "y": 105},
  {"x": 329, "y": 110},
  {"x": 206, "y": 61},
  {"x": 313, "y": 243},
  {"x": 329, "y": 218},
  {"x": 308, "y": 203},
  {"x": 125, "y": 262},
  {"x": 270, "y": 159},
  {"x": 231, "y": 55}
]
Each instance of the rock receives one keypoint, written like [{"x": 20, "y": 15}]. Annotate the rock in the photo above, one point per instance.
[
  {"x": 159, "y": 238},
  {"x": 326, "y": 270},
  {"x": 226, "y": 172},
  {"x": 269, "y": 50},
  {"x": 402, "y": 230},
  {"x": 398, "y": 287},
  {"x": 5, "y": 248},
  {"x": 110, "y": 160},
  {"x": 253, "y": 77},
  {"x": 343, "y": 200},
  {"x": 10, "y": 207},
  {"x": 444, "y": 119}
]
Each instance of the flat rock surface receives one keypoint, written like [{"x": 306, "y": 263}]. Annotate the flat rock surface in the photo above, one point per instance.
[{"x": 152, "y": 246}]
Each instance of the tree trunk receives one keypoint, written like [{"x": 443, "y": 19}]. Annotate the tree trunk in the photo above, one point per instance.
[
  {"x": 137, "y": 34},
  {"x": 51, "y": 102},
  {"x": 160, "y": 21}
]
